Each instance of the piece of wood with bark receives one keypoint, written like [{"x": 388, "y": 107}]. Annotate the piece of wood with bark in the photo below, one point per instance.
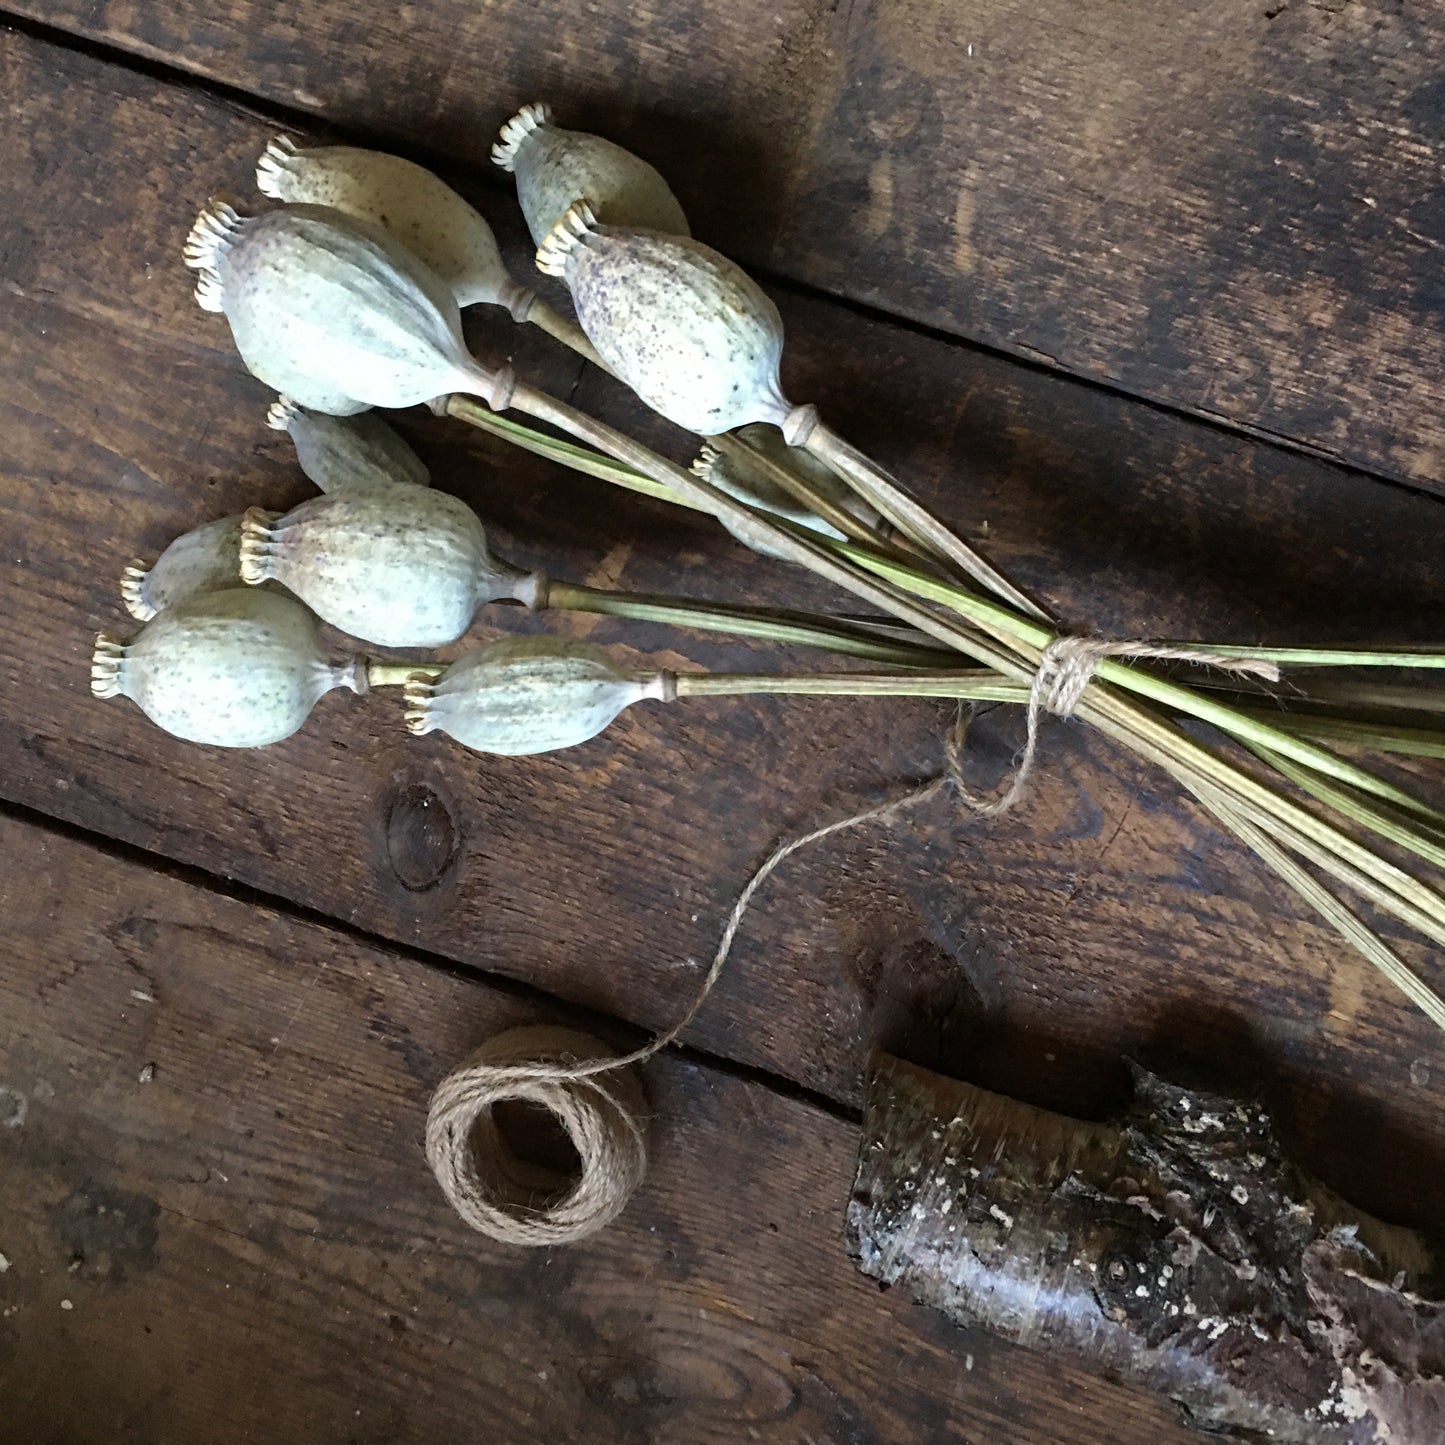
[
  {"x": 1104, "y": 915},
  {"x": 1175, "y": 1246},
  {"x": 1228, "y": 207},
  {"x": 219, "y": 1223}
]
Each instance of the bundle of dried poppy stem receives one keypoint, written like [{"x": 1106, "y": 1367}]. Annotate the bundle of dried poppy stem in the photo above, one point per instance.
[{"x": 347, "y": 297}]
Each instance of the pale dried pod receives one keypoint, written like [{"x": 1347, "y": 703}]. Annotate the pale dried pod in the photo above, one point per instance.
[
  {"x": 344, "y": 451},
  {"x": 202, "y": 560},
  {"x": 688, "y": 330},
  {"x": 239, "y": 669},
  {"x": 554, "y": 166},
  {"x": 208, "y": 289},
  {"x": 407, "y": 201},
  {"x": 392, "y": 564},
  {"x": 332, "y": 311},
  {"x": 526, "y": 695},
  {"x": 700, "y": 342},
  {"x": 731, "y": 473},
  {"x": 334, "y": 452}
]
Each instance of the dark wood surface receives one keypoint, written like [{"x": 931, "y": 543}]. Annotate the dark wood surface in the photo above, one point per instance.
[
  {"x": 1229, "y": 205},
  {"x": 1105, "y": 918},
  {"x": 244, "y": 1247}
]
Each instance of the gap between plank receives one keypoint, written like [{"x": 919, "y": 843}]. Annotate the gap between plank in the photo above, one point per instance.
[
  {"x": 237, "y": 98},
  {"x": 192, "y": 875}
]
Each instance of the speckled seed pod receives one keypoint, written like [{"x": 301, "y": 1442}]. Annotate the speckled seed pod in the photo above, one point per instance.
[
  {"x": 331, "y": 311},
  {"x": 346, "y": 451},
  {"x": 554, "y": 166},
  {"x": 528, "y": 695},
  {"x": 732, "y": 475},
  {"x": 393, "y": 564},
  {"x": 203, "y": 560},
  {"x": 691, "y": 333},
  {"x": 237, "y": 669},
  {"x": 420, "y": 210}
]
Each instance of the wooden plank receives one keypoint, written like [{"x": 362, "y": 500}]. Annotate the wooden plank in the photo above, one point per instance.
[
  {"x": 249, "y": 1245},
  {"x": 1227, "y": 205},
  {"x": 1102, "y": 918}
]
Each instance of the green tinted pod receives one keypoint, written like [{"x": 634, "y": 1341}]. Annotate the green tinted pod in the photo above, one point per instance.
[
  {"x": 553, "y": 167},
  {"x": 528, "y": 695},
  {"x": 390, "y": 563},
  {"x": 417, "y": 208},
  {"x": 690, "y": 332},
  {"x": 237, "y": 669},
  {"x": 203, "y": 560},
  {"x": 331, "y": 311},
  {"x": 343, "y": 451}
]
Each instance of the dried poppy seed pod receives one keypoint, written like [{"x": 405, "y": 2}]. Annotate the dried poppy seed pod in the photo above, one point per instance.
[
  {"x": 334, "y": 452},
  {"x": 332, "y": 311},
  {"x": 392, "y": 564},
  {"x": 732, "y": 474},
  {"x": 690, "y": 332},
  {"x": 528, "y": 695},
  {"x": 345, "y": 451},
  {"x": 237, "y": 669},
  {"x": 554, "y": 166},
  {"x": 407, "y": 201},
  {"x": 697, "y": 339},
  {"x": 203, "y": 560}
]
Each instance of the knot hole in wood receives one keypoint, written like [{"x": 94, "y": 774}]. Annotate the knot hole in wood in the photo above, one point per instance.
[{"x": 422, "y": 838}]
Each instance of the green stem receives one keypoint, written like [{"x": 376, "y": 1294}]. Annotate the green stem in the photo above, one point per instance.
[
  {"x": 1314, "y": 838},
  {"x": 1355, "y": 733},
  {"x": 975, "y": 685},
  {"x": 794, "y": 544},
  {"x": 395, "y": 674},
  {"x": 595, "y": 464},
  {"x": 801, "y": 628},
  {"x": 1012, "y": 644},
  {"x": 566, "y": 330},
  {"x": 1021, "y": 640},
  {"x": 1356, "y": 810},
  {"x": 911, "y": 518},
  {"x": 1330, "y": 656},
  {"x": 1001, "y": 622},
  {"x": 1327, "y": 905},
  {"x": 580, "y": 459}
]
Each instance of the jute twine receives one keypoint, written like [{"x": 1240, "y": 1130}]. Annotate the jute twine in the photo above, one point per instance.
[
  {"x": 510, "y": 1198},
  {"x": 1066, "y": 668},
  {"x": 562, "y": 1069}
]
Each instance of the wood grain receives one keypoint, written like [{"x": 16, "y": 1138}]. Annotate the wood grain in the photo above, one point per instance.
[
  {"x": 1104, "y": 918},
  {"x": 247, "y": 1244},
  {"x": 1229, "y": 205}
]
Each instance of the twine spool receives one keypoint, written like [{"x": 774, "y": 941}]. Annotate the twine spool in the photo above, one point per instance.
[{"x": 510, "y": 1198}]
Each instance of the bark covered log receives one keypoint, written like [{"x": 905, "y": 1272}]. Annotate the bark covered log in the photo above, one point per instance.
[{"x": 1176, "y": 1248}]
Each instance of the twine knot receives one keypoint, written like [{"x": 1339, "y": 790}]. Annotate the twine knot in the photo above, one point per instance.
[{"x": 1066, "y": 668}]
